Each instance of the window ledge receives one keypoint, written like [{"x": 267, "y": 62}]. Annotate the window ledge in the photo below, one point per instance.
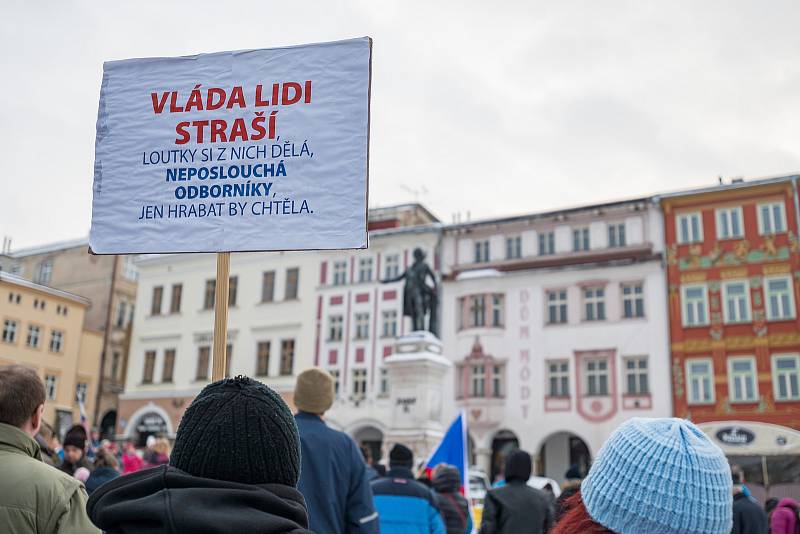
[
  {"x": 781, "y": 319},
  {"x": 795, "y": 399},
  {"x": 704, "y": 325},
  {"x": 702, "y": 403},
  {"x": 744, "y": 402}
]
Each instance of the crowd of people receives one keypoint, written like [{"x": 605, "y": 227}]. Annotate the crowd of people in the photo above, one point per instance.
[{"x": 243, "y": 462}]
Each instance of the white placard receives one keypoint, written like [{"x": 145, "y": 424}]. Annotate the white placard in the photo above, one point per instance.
[{"x": 234, "y": 151}]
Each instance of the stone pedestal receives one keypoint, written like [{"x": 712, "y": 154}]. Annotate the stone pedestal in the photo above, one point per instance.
[{"x": 417, "y": 371}]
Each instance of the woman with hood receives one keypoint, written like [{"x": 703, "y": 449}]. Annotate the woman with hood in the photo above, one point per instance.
[
  {"x": 653, "y": 476},
  {"x": 105, "y": 469},
  {"x": 452, "y": 505},
  {"x": 784, "y": 517},
  {"x": 75, "y": 450},
  {"x": 234, "y": 468}
]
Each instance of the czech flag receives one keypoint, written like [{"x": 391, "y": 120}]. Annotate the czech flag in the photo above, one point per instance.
[{"x": 453, "y": 451}]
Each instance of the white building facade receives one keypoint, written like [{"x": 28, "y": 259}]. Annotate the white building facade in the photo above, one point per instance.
[{"x": 557, "y": 327}]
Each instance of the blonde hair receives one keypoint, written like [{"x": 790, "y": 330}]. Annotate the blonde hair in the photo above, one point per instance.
[{"x": 161, "y": 446}]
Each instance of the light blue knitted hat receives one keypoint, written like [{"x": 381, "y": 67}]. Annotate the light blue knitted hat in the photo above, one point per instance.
[{"x": 660, "y": 476}]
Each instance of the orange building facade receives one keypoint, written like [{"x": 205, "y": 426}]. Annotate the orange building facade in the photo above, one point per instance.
[{"x": 733, "y": 262}]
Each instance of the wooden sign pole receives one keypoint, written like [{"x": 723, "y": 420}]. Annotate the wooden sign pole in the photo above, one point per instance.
[{"x": 221, "y": 316}]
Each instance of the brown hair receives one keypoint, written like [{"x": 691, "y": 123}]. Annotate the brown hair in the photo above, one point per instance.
[
  {"x": 21, "y": 394},
  {"x": 161, "y": 446},
  {"x": 577, "y": 519},
  {"x": 105, "y": 459}
]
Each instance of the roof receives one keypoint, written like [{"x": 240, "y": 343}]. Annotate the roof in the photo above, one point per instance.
[
  {"x": 52, "y": 247},
  {"x": 16, "y": 280},
  {"x": 742, "y": 184},
  {"x": 382, "y": 211},
  {"x": 547, "y": 214}
]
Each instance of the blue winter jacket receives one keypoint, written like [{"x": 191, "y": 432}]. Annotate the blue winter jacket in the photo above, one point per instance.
[
  {"x": 333, "y": 480},
  {"x": 405, "y": 506}
]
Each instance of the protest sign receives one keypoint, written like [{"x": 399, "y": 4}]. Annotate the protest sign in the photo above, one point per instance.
[{"x": 234, "y": 151}]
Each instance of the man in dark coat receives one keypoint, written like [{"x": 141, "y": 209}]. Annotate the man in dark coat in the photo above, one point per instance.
[
  {"x": 234, "y": 468},
  {"x": 748, "y": 516},
  {"x": 516, "y": 508},
  {"x": 453, "y": 506},
  {"x": 334, "y": 478}
]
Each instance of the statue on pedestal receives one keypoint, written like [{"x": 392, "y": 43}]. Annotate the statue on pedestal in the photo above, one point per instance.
[{"x": 419, "y": 298}]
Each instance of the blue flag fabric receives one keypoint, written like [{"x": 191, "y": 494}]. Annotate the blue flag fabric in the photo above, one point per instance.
[{"x": 453, "y": 450}]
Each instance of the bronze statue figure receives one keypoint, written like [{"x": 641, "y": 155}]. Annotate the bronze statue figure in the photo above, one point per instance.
[{"x": 419, "y": 298}]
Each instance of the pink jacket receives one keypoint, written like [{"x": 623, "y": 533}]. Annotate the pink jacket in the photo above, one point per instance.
[
  {"x": 130, "y": 463},
  {"x": 784, "y": 517}
]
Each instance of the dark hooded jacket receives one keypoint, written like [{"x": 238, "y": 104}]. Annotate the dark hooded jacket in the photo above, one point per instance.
[
  {"x": 452, "y": 505},
  {"x": 168, "y": 500}
]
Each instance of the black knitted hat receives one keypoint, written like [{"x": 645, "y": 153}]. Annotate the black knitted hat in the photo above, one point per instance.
[
  {"x": 238, "y": 430},
  {"x": 401, "y": 456},
  {"x": 76, "y": 436},
  {"x": 518, "y": 466}
]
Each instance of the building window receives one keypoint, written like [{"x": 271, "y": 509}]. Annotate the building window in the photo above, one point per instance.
[
  {"x": 292, "y": 279},
  {"x": 56, "y": 340},
  {"x": 169, "y": 365},
  {"x": 482, "y": 251},
  {"x": 389, "y": 323},
  {"x": 50, "y": 385},
  {"x": 477, "y": 310},
  {"x": 636, "y": 376},
  {"x": 365, "y": 270},
  {"x": 335, "y": 327},
  {"x": 81, "y": 392},
  {"x": 262, "y": 358},
  {"x": 695, "y": 305},
  {"x": 384, "y": 389},
  {"x": 558, "y": 379},
  {"x": 478, "y": 382},
  {"x": 594, "y": 303},
  {"x": 359, "y": 384},
  {"x": 779, "y": 298},
  {"x": 122, "y": 309},
  {"x": 155, "y": 303},
  {"x": 476, "y": 314},
  {"x": 116, "y": 359},
  {"x": 580, "y": 239},
  {"x": 149, "y": 366},
  {"x": 742, "y": 379},
  {"x": 632, "y": 300},
  {"x": 513, "y": 248},
  {"x": 129, "y": 270},
  {"x": 557, "y": 306},
  {"x": 700, "y": 381},
  {"x": 547, "y": 243},
  {"x": 596, "y": 377},
  {"x": 729, "y": 223},
  {"x": 287, "y": 357},
  {"x": 785, "y": 377},
  {"x": 335, "y": 374},
  {"x": 736, "y": 296},
  {"x": 44, "y": 272},
  {"x": 771, "y": 218},
  {"x": 339, "y": 273},
  {"x": 689, "y": 227},
  {"x": 203, "y": 360},
  {"x": 362, "y": 325},
  {"x": 268, "y": 286},
  {"x": 33, "y": 336},
  {"x": 497, "y": 381},
  {"x": 392, "y": 267},
  {"x": 233, "y": 289},
  {"x": 9, "y": 331},
  {"x": 616, "y": 235},
  {"x": 175, "y": 301},
  {"x": 210, "y": 294}
]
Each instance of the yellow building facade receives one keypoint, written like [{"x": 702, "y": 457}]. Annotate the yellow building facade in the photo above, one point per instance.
[{"x": 43, "y": 328}]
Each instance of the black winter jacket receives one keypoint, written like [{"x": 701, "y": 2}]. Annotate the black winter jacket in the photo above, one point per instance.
[
  {"x": 516, "y": 508},
  {"x": 452, "y": 505},
  {"x": 168, "y": 500}
]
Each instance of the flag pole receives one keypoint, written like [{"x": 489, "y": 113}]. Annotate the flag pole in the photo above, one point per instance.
[{"x": 221, "y": 316}]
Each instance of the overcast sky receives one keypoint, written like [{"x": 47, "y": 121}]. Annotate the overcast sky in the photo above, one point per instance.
[{"x": 495, "y": 108}]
